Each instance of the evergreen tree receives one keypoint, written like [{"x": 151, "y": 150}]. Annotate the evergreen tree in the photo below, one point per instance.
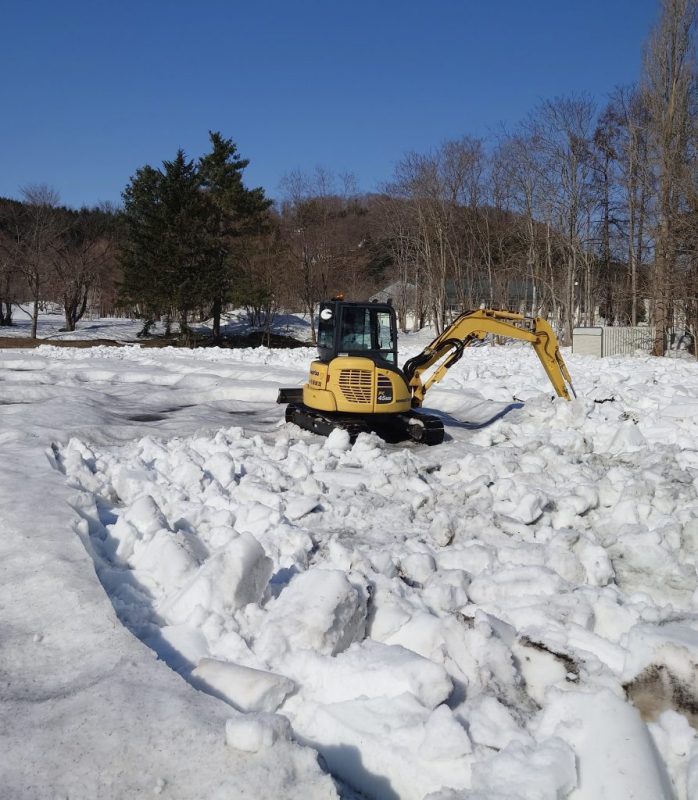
[
  {"x": 142, "y": 286},
  {"x": 235, "y": 213},
  {"x": 168, "y": 247},
  {"x": 185, "y": 228}
]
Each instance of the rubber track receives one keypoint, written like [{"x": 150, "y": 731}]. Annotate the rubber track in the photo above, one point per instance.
[{"x": 422, "y": 428}]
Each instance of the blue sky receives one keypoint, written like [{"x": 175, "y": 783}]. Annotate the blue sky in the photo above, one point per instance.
[{"x": 93, "y": 90}]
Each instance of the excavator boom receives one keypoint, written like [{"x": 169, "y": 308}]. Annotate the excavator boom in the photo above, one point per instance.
[{"x": 474, "y": 326}]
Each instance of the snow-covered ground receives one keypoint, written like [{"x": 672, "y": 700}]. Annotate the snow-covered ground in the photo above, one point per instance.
[
  {"x": 49, "y": 326},
  {"x": 117, "y": 329},
  {"x": 477, "y": 620}
]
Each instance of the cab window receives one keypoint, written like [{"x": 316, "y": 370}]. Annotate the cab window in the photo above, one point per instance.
[
  {"x": 367, "y": 330},
  {"x": 384, "y": 335},
  {"x": 326, "y": 328},
  {"x": 356, "y": 329}
]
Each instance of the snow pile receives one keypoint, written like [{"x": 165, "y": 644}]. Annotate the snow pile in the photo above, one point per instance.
[
  {"x": 513, "y": 614},
  {"x": 410, "y": 611}
]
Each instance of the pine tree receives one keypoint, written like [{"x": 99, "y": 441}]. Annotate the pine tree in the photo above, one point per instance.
[
  {"x": 235, "y": 213},
  {"x": 168, "y": 247},
  {"x": 186, "y": 224}
]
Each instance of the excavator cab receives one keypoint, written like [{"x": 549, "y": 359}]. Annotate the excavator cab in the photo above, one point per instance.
[
  {"x": 357, "y": 329},
  {"x": 355, "y": 382}
]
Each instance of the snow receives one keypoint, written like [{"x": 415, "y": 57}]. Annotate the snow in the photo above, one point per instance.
[
  {"x": 611, "y": 742},
  {"x": 198, "y": 600},
  {"x": 319, "y": 611},
  {"x": 51, "y": 321},
  {"x": 257, "y": 731},
  {"x": 244, "y": 688}
]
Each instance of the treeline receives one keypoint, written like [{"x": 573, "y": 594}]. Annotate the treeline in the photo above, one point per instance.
[
  {"x": 583, "y": 214},
  {"x": 49, "y": 253}
]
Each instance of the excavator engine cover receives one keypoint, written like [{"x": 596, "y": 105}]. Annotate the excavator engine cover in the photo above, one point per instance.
[{"x": 353, "y": 385}]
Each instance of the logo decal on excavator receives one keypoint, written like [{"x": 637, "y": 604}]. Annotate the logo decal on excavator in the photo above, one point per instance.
[{"x": 385, "y": 390}]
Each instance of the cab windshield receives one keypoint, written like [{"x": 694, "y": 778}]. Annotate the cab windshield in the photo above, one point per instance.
[{"x": 367, "y": 329}]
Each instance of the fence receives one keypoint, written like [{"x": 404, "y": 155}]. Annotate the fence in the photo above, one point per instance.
[{"x": 608, "y": 341}]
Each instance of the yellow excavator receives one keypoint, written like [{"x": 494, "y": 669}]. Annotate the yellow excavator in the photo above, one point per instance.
[{"x": 356, "y": 383}]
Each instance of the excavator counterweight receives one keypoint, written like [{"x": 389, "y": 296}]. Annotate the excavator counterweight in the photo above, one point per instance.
[{"x": 356, "y": 384}]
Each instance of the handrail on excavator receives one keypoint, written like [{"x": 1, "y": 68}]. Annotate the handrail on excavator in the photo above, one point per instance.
[{"x": 474, "y": 326}]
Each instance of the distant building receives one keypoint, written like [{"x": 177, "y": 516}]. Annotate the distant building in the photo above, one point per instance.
[
  {"x": 396, "y": 293},
  {"x": 517, "y": 296}
]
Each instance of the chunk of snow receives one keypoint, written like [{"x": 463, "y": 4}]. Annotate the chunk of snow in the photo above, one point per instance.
[
  {"x": 515, "y": 501},
  {"x": 338, "y": 441},
  {"x": 165, "y": 557},
  {"x": 369, "y": 669},
  {"x": 375, "y": 745},
  {"x": 222, "y": 467},
  {"x": 319, "y": 610},
  {"x": 253, "y": 733},
  {"x": 672, "y": 645},
  {"x": 229, "y": 579},
  {"x": 444, "y": 738},
  {"x": 245, "y": 688},
  {"x": 491, "y": 723},
  {"x": 418, "y": 566},
  {"x": 297, "y": 507},
  {"x": 614, "y": 751},
  {"x": 145, "y": 515},
  {"x": 628, "y": 439},
  {"x": 545, "y": 772}
]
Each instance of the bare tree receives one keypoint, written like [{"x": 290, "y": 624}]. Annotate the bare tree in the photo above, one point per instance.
[
  {"x": 518, "y": 173},
  {"x": 9, "y": 276},
  {"x": 435, "y": 187},
  {"x": 77, "y": 256},
  {"x": 629, "y": 110},
  {"x": 259, "y": 288},
  {"x": 605, "y": 164},
  {"x": 35, "y": 231},
  {"x": 562, "y": 128},
  {"x": 316, "y": 213},
  {"x": 669, "y": 86},
  {"x": 393, "y": 223}
]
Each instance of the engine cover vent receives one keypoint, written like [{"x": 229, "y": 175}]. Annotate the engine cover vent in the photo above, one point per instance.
[{"x": 356, "y": 385}]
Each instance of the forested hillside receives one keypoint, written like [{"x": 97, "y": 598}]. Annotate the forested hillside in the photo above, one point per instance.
[{"x": 584, "y": 213}]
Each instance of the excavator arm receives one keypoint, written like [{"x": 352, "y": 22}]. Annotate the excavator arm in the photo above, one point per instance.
[{"x": 474, "y": 326}]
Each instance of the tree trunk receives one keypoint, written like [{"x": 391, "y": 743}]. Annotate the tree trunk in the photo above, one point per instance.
[
  {"x": 661, "y": 310},
  {"x": 631, "y": 258},
  {"x": 69, "y": 314},
  {"x": 571, "y": 299},
  {"x": 310, "y": 311},
  {"x": 549, "y": 260},
  {"x": 216, "y": 327},
  {"x": 83, "y": 307},
  {"x": 35, "y": 318}
]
